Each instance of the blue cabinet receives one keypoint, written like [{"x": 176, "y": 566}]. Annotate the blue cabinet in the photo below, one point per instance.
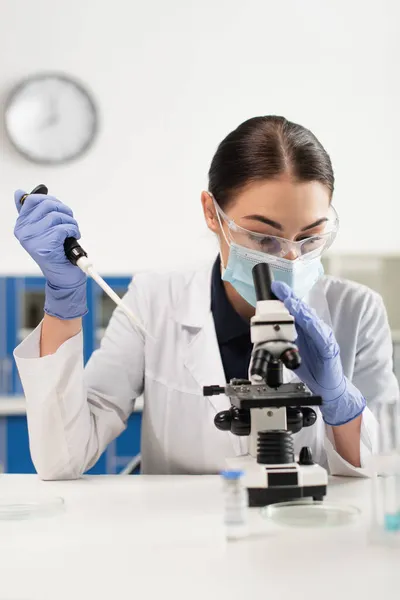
[
  {"x": 17, "y": 458},
  {"x": 21, "y": 310}
]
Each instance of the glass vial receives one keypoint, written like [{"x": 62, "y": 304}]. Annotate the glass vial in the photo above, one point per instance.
[
  {"x": 235, "y": 505},
  {"x": 385, "y": 478}
]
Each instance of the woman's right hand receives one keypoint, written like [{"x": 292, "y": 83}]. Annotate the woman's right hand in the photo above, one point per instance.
[{"x": 42, "y": 226}]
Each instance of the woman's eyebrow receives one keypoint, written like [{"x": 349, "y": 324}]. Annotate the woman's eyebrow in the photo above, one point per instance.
[
  {"x": 278, "y": 226},
  {"x": 266, "y": 221},
  {"x": 315, "y": 224}
]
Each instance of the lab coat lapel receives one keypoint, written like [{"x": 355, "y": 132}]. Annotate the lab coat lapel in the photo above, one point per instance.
[{"x": 203, "y": 359}]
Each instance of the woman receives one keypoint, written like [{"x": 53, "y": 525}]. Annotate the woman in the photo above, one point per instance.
[{"x": 269, "y": 199}]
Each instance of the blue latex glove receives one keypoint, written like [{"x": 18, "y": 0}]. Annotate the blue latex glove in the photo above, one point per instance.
[
  {"x": 42, "y": 226},
  {"x": 321, "y": 369}
]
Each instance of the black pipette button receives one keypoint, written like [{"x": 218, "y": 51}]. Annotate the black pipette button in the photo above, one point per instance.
[{"x": 39, "y": 189}]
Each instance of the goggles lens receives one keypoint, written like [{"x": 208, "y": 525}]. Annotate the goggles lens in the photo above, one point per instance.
[{"x": 313, "y": 245}]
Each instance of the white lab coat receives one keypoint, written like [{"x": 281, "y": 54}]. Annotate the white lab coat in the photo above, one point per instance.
[{"x": 74, "y": 413}]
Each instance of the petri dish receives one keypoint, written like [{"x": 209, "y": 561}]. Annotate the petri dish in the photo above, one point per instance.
[
  {"x": 28, "y": 507},
  {"x": 311, "y": 514}
]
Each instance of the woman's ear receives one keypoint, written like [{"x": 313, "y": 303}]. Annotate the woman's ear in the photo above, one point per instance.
[{"x": 210, "y": 214}]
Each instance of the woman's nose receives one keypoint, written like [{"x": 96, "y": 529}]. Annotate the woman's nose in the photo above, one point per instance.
[{"x": 292, "y": 255}]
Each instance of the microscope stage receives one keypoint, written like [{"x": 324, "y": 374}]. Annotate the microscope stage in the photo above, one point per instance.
[{"x": 262, "y": 396}]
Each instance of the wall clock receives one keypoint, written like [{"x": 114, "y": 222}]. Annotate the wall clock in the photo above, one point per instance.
[{"x": 51, "y": 119}]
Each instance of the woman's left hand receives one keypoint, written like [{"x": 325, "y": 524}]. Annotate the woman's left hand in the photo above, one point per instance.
[{"x": 321, "y": 368}]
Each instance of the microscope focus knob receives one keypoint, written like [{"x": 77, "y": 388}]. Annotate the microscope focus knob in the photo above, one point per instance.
[
  {"x": 297, "y": 418},
  {"x": 241, "y": 423},
  {"x": 309, "y": 416},
  {"x": 223, "y": 420},
  {"x": 294, "y": 419},
  {"x": 305, "y": 457},
  {"x": 236, "y": 420}
]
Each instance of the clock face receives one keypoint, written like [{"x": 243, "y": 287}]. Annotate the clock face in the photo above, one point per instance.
[{"x": 51, "y": 119}]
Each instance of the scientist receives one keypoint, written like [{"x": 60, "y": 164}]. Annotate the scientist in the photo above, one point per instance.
[{"x": 268, "y": 199}]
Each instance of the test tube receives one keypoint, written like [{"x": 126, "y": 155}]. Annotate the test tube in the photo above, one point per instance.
[{"x": 385, "y": 477}]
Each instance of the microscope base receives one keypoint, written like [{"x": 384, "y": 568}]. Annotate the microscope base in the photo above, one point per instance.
[
  {"x": 263, "y": 496},
  {"x": 268, "y": 484}
]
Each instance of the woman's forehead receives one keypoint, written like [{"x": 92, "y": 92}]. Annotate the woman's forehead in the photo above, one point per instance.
[{"x": 282, "y": 201}]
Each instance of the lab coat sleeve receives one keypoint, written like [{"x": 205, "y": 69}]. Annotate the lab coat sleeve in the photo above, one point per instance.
[
  {"x": 374, "y": 377},
  {"x": 74, "y": 413}
]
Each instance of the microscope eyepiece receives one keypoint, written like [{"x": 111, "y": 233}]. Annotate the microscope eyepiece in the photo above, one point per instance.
[
  {"x": 291, "y": 359},
  {"x": 262, "y": 279}
]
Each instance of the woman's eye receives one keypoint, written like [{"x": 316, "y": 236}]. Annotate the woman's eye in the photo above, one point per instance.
[
  {"x": 311, "y": 243},
  {"x": 266, "y": 244}
]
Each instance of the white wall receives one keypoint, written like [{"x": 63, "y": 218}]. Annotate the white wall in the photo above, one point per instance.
[{"x": 172, "y": 78}]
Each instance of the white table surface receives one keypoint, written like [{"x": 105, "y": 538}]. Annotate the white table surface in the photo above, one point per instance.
[{"x": 162, "y": 537}]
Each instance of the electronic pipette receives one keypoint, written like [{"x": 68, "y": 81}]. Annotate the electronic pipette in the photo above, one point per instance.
[{"x": 78, "y": 257}]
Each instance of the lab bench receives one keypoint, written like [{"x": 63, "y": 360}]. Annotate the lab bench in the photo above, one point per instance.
[
  {"x": 21, "y": 310},
  {"x": 164, "y": 536}
]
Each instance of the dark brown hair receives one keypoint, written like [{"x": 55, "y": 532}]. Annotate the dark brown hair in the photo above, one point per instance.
[{"x": 264, "y": 148}]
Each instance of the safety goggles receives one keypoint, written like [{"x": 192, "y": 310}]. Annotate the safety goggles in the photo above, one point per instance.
[{"x": 277, "y": 246}]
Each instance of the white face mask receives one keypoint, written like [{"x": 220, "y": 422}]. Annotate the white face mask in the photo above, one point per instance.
[{"x": 299, "y": 274}]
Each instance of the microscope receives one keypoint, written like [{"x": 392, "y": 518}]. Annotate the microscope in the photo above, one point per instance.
[{"x": 269, "y": 411}]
